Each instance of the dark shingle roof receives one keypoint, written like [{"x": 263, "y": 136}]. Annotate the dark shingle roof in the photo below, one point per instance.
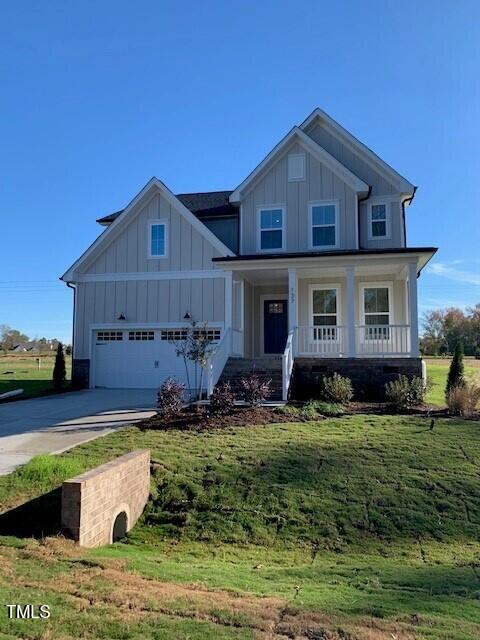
[{"x": 208, "y": 204}]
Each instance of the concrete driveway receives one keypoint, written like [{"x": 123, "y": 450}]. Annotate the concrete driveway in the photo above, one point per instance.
[{"x": 55, "y": 423}]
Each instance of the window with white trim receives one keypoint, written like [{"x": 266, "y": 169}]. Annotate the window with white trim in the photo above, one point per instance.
[
  {"x": 271, "y": 228},
  {"x": 323, "y": 219},
  {"x": 378, "y": 221},
  {"x": 157, "y": 239},
  {"x": 376, "y": 305},
  {"x": 325, "y": 313}
]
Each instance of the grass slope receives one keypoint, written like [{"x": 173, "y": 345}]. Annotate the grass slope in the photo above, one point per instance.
[
  {"x": 21, "y": 372},
  {"x": 361, "y": 527}
]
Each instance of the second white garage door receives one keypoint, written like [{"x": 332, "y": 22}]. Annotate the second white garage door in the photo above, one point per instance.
[{"x": 139, "y": 359}]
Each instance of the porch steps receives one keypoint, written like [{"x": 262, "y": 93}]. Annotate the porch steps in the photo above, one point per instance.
[{"x": 265, "y": 367}]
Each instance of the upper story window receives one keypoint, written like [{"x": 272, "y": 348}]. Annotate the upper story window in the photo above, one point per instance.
[
  {"x": 378, "y": 221},
  {"x": 323, "y": 225},
  {"x": 271, "y": 228},
  {"x": 157, "y": 239}
]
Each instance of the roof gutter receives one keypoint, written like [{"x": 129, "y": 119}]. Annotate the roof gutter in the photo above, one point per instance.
[{"x": 409, "y": 200}]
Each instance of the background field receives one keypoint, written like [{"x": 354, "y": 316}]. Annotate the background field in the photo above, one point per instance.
[
  {"x": 21, "y": 372},
  {"x": 437, "y": 371},
  {"x": 358, "y": 528}
]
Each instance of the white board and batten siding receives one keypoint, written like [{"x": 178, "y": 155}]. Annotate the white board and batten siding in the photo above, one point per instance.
[
  {"x": 150, "y": 293},
  {"x": 381, "y": 187}
]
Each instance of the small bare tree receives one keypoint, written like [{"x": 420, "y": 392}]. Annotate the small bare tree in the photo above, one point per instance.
[{"x": 196, "y": 347}]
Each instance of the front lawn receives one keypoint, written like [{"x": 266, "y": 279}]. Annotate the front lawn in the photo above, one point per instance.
[
  {"x": 22, "y": 372},
  {"x": 361, "y": 527}
]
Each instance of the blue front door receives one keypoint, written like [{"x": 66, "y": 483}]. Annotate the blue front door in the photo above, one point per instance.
[{"x": 275, "y": 325}]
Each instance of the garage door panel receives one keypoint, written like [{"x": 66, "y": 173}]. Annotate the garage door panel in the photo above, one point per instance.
[{"x": 137, "y": 363}]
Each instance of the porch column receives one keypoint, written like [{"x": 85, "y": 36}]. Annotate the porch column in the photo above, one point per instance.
[
  {"x": 351, "y": 312},
  {"x": 413, "y": 309},
  {"x": 229, "y": 306},
  {"x": 293, "y": 303}
]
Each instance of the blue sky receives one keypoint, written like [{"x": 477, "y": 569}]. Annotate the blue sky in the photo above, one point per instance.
[{"x": 98, "y": 97}]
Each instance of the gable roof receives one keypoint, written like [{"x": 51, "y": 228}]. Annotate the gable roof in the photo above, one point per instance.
[
  {"x": 366, "y": 154},
  {"x": 207, "y": 203},
  {"x": 297, "y": 135},
  {"x": 120, "y": 221}
]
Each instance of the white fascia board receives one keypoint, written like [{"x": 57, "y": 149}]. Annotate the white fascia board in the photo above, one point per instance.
[
  {"x": 151, "y": 185},
  {"x": 296, "y": 134},
  {"x": 150, "y": 275},
  {"x": 404, "y": 186}
]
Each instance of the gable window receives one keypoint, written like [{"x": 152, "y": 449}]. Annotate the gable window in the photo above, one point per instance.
[
  {"x": 324, "y": 303},
  {"x": 323, "y": 225},
  {"x": 377, "y": 311},
  {"x": 378, "y": 221},
  {"x": 157, "y": 239},
  {"x": 271, "y": 229}
]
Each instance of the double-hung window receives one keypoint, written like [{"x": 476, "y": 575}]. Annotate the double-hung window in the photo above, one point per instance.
[
  {"x": 271, "y": 229},
  {"x": 377, "y": 311},
  {"x": 378, "y": 222},
  {"x": 323, "y": 225},
  {"x": 324, "y": 313},
  {"x": 157, "y": 239}
]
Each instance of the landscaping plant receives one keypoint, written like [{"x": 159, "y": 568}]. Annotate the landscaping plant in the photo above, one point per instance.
[
  {"x": 171, "y": 397},
  {"x": 405, "y": 393},
  {"x": 337, "y": 389},
  {"x": 222, "y": 400},
  {"x": 463, "y": 400},
  {"x": 255, "y": 390},
  {"x": 59, "y": 370},
  {"x": 456, "y": 373}
]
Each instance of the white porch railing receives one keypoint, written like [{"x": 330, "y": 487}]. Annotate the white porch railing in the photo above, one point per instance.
[
  {"x": 217, "y": 361},
  {"x": 383, "y": 340},
  {"x": 328, "y": 340},
  {"x": 287, "y": 365}
]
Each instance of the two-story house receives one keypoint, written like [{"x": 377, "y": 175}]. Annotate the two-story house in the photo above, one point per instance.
[{"x": 303, "y": 268}]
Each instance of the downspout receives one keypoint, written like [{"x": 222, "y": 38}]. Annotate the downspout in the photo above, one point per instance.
[
  {"x": 409, "y": 200},
  {"x": 369, "y": 193},
  {"x": 71, "y": 286}
]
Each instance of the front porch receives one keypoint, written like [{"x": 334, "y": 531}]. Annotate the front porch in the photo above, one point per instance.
[{"x": 351, "y": 308}]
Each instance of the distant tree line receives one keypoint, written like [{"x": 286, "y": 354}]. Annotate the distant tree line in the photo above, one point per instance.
[
  {"x": 443, "y": 329},
  {"x": 12, "y": 339}
]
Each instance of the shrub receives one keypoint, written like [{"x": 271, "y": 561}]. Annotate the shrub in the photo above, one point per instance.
[
  {"x": 171, "y": 397},
  {"x": 337, "y": 389},
  {"x": 405, "y": 393},
  {"x": 456, "y": 374},
  {"x": 255, "y": 389},
  {"x": 59, "y": 370},
  {"x": 314, "y": 408},
  {"x": 222, "y": 400},
  {"x": 463, "y": 400}
]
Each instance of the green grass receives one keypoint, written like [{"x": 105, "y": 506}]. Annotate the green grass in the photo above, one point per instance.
[
  {"x": 21, "y": 372},
  {"x": 363, "y": 523},
  {"x": 437, "y": 371}
]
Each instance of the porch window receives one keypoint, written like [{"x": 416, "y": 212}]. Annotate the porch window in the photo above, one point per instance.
[
  {"x": 271, "y": 228},
  {"x": 376, "y": 302},
  {"x": 157, "y": 239},
  {"x": 378, "y": 223},
  {"x": 323, "y": 218},
  {"x": 324, "y": 313}
]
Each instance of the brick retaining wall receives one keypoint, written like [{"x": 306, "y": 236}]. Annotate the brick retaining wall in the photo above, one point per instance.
[{"x": 92, "y": 501}]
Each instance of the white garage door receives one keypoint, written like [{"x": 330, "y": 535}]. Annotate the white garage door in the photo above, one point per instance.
[{"x": 139, "y": 359}]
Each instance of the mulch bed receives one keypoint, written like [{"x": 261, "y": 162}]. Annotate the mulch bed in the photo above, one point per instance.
[{"x": 200, "y": 419}]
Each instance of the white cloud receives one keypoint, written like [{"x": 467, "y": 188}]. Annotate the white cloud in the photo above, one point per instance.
[{"x": 447, "y": 270}]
